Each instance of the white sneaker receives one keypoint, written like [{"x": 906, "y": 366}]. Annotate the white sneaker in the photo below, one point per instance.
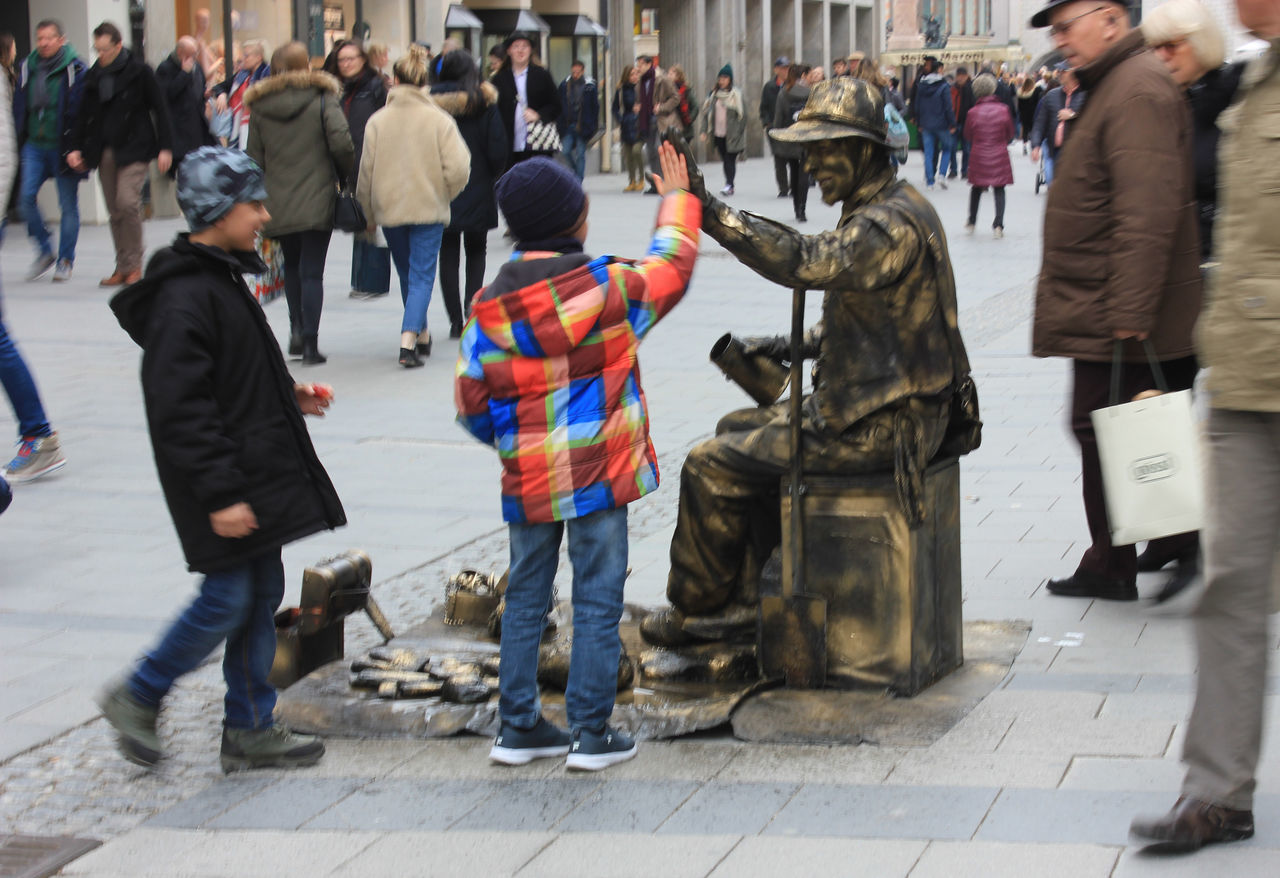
[
  {"x": 727, "y": 190},
  {"x": 942, "y": 184},
  {"x": 999, "y": 231},
  {"x": 37, "y": 456},
  {"x": 968, "y": 228}
]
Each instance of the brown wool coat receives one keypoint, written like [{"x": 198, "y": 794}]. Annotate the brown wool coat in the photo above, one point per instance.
[{"x": 1121, "y": 243}]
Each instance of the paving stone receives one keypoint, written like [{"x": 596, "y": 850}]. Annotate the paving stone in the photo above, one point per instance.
[
  {"x": 627, "y": 806},
  {"x": 883, "y": 812},
  {"x": 952, "y": 768},
  {"x": 454, "y": 854},
  {"x": 1068, "y": 816},
  {"x": 1174, "y": 707},
  {"x": 1237, "y": 858},
  {"x": 1094, "y": 737},
  {"x": 286, "y": 804},
  {"x": 134, "y": 853},
  {"x": 359, "y": 758},
  {"x": 729, "y": 809},
  {"x": 467, "y": 757},
  {"x": 529, "y": 805},
  {"x": 678, "y": 759},
  {"x": 403, "y": 804},
  {"x": 1071, "y": 682},
  {"x": 1104, "y": 660},
  {"x": 769, "y": 857},
  {"x": 1090, "y": 773},
  {"x": 948, "y": 859},
  {"x": 801, "y": 763},
  {"x": 271, "y": 854},
  {"x": 612, "y": 855},
  {"x": 209, "y": 803}
]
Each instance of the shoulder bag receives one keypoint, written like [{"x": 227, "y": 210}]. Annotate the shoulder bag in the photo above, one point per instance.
[{"x": 348, "y": 215}]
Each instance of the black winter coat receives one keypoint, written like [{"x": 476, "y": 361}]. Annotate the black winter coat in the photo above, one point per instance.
[
  {"x": 361, "y": 98},
  {"x": 184, "y": 94},
  {"x": 540, "y": 89},
  {"x": 476, "y": 208},
  {"x": 134, "y": 123},
  {"x": 224, "y": 421},
  {"x": 624, "y": 101},
  {"x": 1209, "y": 96}
]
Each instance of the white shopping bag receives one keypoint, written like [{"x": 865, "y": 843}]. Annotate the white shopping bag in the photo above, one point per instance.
[{"x": 1151, "y": 467}]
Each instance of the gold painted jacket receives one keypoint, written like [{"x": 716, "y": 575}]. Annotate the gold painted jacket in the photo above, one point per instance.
[{"x": 889, "y": 306}]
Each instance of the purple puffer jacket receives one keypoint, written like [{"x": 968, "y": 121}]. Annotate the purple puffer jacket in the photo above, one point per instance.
[{"x": 989, "y": 128}]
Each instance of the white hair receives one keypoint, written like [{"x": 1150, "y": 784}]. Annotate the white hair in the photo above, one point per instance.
[{"x": 1188, "y": 20}]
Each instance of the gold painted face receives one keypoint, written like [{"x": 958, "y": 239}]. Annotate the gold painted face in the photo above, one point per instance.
[{"x": 831, "y": 163}]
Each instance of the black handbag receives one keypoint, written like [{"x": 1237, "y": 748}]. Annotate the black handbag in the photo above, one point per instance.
[{"x": 348, "y": 215}]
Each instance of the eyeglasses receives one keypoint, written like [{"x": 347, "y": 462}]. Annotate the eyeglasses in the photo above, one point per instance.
[
  {"x": 1169, "y": 45},
  {"x": 348, "y": 59},
  {"x": 1060, "y": 30}
]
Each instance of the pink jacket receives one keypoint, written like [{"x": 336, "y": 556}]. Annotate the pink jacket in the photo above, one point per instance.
[{"x": 989, "y": 128}]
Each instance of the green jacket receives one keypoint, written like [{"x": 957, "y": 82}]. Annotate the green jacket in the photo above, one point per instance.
[
  {"x": 304, "y": 151},
  {"x": 46, "y": 129},
  {"x": 1238, "y": 337}
]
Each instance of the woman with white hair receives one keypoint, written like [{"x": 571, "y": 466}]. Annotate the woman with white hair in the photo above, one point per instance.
[{"x": 1186, "y": 36}]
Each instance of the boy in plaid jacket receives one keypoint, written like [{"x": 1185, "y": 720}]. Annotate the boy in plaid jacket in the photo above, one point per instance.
[{"x": 548, "y": 374}]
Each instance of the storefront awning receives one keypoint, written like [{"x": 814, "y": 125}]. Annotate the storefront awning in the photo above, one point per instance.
[
  {"x": 574, "y": 26},
  {"x": 955, "y": 57},
  {"x": 506, "y": 21},
  {"x": 461, "y": 18}
]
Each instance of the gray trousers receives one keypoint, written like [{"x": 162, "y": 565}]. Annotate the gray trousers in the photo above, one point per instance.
[{"x": 1241, "y": 537}]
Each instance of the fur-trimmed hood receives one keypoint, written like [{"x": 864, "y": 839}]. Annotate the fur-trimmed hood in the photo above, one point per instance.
[
  {"x": 454, "y": 102},
  {"x": 284, "y": 95}
]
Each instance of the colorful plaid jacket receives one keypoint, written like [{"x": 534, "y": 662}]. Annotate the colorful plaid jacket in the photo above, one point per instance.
[{"x": 547, "y": 370}]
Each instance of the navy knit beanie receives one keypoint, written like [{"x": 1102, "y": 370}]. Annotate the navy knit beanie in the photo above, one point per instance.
[
  {"x": 727, "y": 70},
  {"x": 541, "y": 199}
]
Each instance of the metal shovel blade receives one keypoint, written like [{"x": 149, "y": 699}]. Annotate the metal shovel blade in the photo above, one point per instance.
[{"x": 793, "y": 639}]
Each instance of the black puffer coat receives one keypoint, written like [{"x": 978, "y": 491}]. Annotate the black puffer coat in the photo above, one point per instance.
[
  {"x": 225, "y": 423},
  {"x": 361, "y": 98},
  {"x": 184, "y": 94},
  {"x": 476, "y": 209}
]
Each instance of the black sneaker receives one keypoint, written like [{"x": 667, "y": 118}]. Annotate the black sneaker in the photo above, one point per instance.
[
  {"x": 592, "y": 751},
  {"x": 515, "y": 746}
]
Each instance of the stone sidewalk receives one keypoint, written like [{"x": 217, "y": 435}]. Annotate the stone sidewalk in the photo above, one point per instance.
[{"x": 1042, "y": 778}]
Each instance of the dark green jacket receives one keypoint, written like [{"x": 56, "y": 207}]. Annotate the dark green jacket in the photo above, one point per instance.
[{"x": 299, "y": 146}]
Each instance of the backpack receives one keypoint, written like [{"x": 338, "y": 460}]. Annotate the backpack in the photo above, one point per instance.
[
  {"x": 899, "y": 135},
  {"x": 688, "y": 111}
]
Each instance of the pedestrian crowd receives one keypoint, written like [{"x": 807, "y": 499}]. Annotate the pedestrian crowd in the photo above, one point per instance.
[{"x": 1159, "y": 165}]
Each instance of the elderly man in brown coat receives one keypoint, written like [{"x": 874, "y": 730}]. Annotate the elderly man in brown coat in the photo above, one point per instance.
[{"x": 1121, "y": 256}]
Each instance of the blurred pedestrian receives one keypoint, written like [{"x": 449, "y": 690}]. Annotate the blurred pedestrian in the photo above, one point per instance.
[
  {"x": 377, "y": 56},
  {"x": 363, "y": 94},
  {"x": 182, "y": 82},
  {"x": 473, "y": 104},
  {"x": 687, "y": 107},
  {"x": 626, "y": 109},
  {"x": 658, "y": 111},
  {"x": 236, "y": 465},
  {"x": 1055, "y": 118},
  {"x": 38, "y": 450},
  {"x": 122, "y": 125},
  {"x": 527, "y": 99},
  {"x": 300, "y": 139},
  {"x": 989, "y": 128},
  {"x": 45, "y": 106},
  {"x": 252, "y": 70},
  {"x": 1240, "y": 345},
  {"x": 936, "y": 119},
  {"x": 1121, "y": 252},
  {"x": 768, "y": 106},
  {"x": 791, "y": 100},
  {"x": 724, "y": 118},
  {"x": 414, "y": 164},
  {"x": 1028, "y": 93},
  {"x": 962, "y": 100},
  {"x": 579, "y": 117}
]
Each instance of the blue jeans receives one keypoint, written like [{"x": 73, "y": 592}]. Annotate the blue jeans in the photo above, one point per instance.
[
  {"x": 414, "y": 250},
  {"x": 598, "y": 552},
  {"x": 1048, "y": 166},
  {"x": 933, "y": 141},
  {"x": 575, "y": 150},
  {"x": 20, "y": 386},
  {"x": 39, "y": 165},
  {"x": 236, "y": 605}
]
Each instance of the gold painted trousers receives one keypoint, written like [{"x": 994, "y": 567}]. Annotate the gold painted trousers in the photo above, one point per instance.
[{"x": 729, "y": 522}]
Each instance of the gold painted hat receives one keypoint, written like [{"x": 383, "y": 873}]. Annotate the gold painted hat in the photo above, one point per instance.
[{"x": 840, "y": 107}]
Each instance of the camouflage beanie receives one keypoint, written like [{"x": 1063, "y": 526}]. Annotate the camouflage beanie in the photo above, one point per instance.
[{"x": 214, "y": 179}]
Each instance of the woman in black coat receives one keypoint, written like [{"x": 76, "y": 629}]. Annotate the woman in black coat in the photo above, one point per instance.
[
  {"x": 474, "y": 107},
  {"x": 363, "y": 94},
  {"x": 791, "y": 100},
  {"x": 538, "y": 102}
]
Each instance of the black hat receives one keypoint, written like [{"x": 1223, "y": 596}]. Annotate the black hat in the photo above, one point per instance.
[
  {"x": 519, "y": 35},
  {"x": 1041, "y": 18}
]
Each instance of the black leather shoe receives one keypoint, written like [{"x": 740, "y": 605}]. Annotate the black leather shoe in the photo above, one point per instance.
[
  {"x": 1192, "y": 824},
  {"x": 455, "y": 330},
  {"x": 1152, "y": 559},
  {"x": 423, "y": 347},
  {"x": 1182, "y": 576},
  {"x": 295, "y": 345},
  {"x": 1083, "y": 584},
  {"x": 409, "y": 358}
]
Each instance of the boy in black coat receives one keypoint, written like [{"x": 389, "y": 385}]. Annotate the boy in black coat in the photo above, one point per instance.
[{"x": 235, "y": 462}]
